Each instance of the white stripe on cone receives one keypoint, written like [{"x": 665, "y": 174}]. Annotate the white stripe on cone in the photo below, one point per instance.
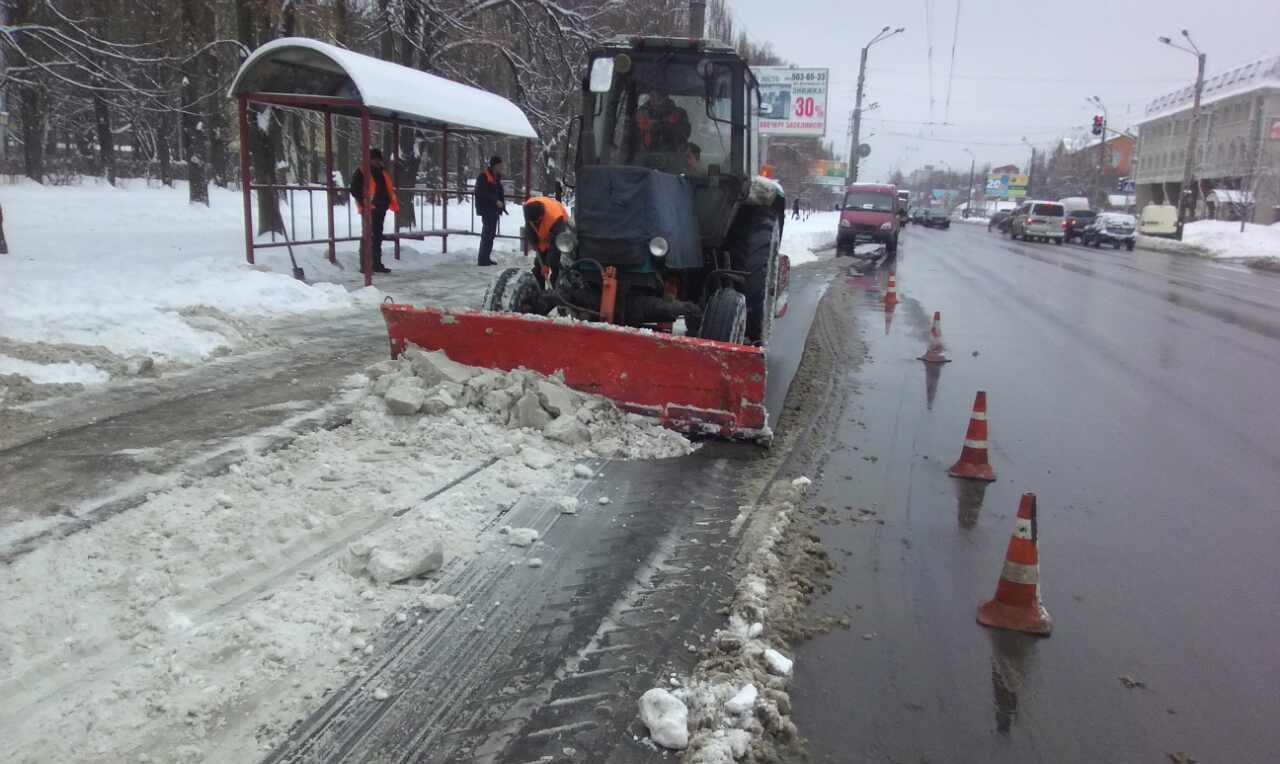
[
  {"x": 1018, "y": 573},
  {"x": 976, "y": 444}
]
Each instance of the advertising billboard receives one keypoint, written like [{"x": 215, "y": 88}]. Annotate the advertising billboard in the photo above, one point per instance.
[
  {"x": 828, "y": 172},
  {"x": 793, "y": 101},
  {"x": 1006, "y": 186}
]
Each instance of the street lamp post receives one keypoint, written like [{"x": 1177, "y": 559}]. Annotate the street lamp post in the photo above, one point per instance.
[
  {"x": 1102, "y": 147},
  {"x": 973, "y": 161},
  {"x": 1031, "y": 165},
  {"x": 884, "y": 34},
  {"x": 1188, "y": 195}
]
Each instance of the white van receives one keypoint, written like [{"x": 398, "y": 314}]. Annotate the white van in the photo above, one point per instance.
[{"x": 1159, "y": 220}]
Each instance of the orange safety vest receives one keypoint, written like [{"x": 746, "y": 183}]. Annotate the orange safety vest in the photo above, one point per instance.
[
  {"x": 647, "y": 120},
  {"x": 552, "y": 212},
  {"x": 369, "y": 191}
]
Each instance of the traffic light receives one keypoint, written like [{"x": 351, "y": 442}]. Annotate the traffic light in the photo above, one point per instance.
[{"x": 1098, "y": 123}]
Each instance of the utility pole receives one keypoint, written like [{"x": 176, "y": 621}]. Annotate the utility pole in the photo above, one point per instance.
[
  {"x": 1031, "y": 167},
  {"x": 973, "y": 161},
  {"x": 857, "y": 104},
  {"x": 1102, "y": 148},
  {"x": 1188, "y": 194}
]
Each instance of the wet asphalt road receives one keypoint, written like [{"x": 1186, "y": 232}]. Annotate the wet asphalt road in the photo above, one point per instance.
[{"x": 1136, "y": 394}]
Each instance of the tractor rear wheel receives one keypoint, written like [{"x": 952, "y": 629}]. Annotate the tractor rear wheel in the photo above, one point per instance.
[
  {"x": 725, "y": 317},
  {"x": 515, "y": 290},
  {"x": 755, "y": 251}
]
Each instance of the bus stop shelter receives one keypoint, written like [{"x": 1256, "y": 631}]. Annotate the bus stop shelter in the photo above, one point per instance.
[{"x": 306, "y": 74}]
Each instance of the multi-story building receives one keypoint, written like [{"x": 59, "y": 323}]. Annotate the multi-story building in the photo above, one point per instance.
[{"x": 1236, "y": 167}]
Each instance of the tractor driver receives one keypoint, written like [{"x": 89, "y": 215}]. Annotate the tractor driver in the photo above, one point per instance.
[
  {"x": 544, "y": 219},
  {"x": 664, "y": 127}
]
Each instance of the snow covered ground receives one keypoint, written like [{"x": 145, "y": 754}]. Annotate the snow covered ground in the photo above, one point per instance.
[
  {"x": 135, "y": 272},
  {"x": 1221, "y": 239},
  {"x": 801, "y": 237},
  {"x": 199, "y": 624}
]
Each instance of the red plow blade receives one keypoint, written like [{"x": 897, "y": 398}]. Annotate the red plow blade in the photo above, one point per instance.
[{"x": 691, "y": 385}]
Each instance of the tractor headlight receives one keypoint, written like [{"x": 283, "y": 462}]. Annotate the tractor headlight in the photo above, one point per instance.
[
  {"x": 886, "y": 226},
  {"x": 658, "y": 246},
  {"x": 566, "y": 240}
]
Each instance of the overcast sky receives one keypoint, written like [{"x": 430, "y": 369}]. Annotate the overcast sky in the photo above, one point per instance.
[{"x": 1021, "y": 68}]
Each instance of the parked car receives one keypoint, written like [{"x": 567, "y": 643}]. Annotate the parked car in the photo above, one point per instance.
[
  {"x": 936, "y": 217},
  {"x": 1038, "y": 220},
  {"x": 1160, "y": 220},
  {"x": 1114, "y": 228},
  {"x": 869, "y": 213},
  {"x": 1077, "y": 221}
]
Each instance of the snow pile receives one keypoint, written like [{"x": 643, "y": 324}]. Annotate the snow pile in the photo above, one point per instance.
[
  {"x": 801, "y": 237},
  {"x": 215, "y": 613},
  {"x": 432, "y": 384},
  {"x": 1220, "y": 239},
  {"x": 1223, "y": 239}
]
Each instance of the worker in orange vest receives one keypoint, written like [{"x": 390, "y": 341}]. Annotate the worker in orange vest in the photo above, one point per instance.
[
  {"x": 379, "y": 191},
  {"x": 544, "y": 219}
]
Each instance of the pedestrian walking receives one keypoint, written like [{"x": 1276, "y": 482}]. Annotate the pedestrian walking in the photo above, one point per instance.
[
  {"x": 378, "y": 191},
  {"x": 491, "y": 201},
  {"x": 795, "y": 209}
]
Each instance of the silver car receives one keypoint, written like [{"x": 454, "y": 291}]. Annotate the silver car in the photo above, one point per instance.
[{"x": 1039, "y": 221}]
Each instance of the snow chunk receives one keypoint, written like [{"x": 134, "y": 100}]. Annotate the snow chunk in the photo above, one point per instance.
[
  {"x": 534, "y": 562},
  {"x": 743, "y": 701},
  {"x": 387, "y": 566},
  {"x": 528, "y": 412},
  {"x": 405, "y": 397},
  {"x": 603, "y": 500},
  {"x": 801, "y": 484},
  {"x": 568, "y": 505},
  {"x": 755, "y": 630},
  {"x": 567, "y": 428},
  {"x": 779, "y": 664},
  {"x": 536, "y": 459},
  {"x": 521, "y": 536},
  {"x": 380, "y": 694},
  {"x": 433, "y": 602},
  {"x": 582, "y": 471},
  {"x": 666, "y": 717}
]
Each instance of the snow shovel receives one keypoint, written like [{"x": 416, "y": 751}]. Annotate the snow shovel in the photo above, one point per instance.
[{"x": 297, "y": 271}]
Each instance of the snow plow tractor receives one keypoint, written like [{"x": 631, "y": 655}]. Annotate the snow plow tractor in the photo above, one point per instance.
[{"x": 662, "y": 291}]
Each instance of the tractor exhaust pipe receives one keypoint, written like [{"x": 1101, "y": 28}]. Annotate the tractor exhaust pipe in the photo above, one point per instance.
[{"x": 697, "y": 18}]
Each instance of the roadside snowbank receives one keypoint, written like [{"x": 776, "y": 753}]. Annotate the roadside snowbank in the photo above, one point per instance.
[
  {"x": 801, "y": 237},
  {"x": 736, "y": 704},
  {"x": 1220, "y": 239},
  {"x": 136, "y": 271},
  {"x": 214, "y": 614}
]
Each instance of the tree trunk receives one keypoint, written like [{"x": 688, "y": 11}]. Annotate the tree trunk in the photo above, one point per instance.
[
  {"x": 31, "y": 104},
  {"x": 407, "y": 168},
  {"x": 106, "y": 139},
  {"x": 266, "y": 147},
  {"x": 162, "y": 148},
  {"x": 216, "y": 119},
  {"x": 194, "y": 131}
]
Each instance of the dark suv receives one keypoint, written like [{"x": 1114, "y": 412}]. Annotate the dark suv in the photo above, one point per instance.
[{"x": 1077, "y": 221}]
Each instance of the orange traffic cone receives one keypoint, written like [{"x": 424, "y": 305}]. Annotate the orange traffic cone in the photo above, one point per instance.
[
  {"x": 1017, "y": 603},
  {"x": 891, "y": 296},
  {"x": 973, "y": 462},
  {"x": 935, "y": 352}
]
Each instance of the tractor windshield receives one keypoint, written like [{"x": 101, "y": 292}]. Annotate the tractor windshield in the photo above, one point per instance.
[{"x": 664, "y": 112}]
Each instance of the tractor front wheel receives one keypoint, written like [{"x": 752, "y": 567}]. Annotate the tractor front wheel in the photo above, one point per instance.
[
  {"x": 725, "y": 317},
  {"x": 755, "y": 251},
  {"x": 515, "y": 290}
]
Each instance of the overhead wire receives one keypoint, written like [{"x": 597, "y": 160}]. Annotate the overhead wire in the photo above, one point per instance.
[
  {"x": 928, "y": 35},
  {"x": 951, "y": 71}
]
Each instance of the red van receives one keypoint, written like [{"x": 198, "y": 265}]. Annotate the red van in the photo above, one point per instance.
[{"x": 869, "y": 213}]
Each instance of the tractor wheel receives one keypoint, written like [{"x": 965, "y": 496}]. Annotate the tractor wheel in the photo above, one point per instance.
[
  {"x": 514, "y": 290},
  {"x": 725, "y": 317},
  {"x": 755, "y": 251}
]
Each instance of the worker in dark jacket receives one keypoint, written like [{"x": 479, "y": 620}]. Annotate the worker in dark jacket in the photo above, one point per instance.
[
  {"x": 491, "y": 202},
  {"x": 544, "y": 219},
  {"x": 379, "y": 191},
  {"x": 664, "y": 126}
]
